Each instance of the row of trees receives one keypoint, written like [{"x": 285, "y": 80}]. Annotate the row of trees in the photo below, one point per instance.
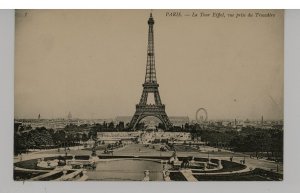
[
  {"x": 259, "y": 141},
  {"x": 247, "y": 140},
  {"x": 42, "y": 138},
  {"x": 268, "y": 141},
  {"x": 27, "y": 138}
]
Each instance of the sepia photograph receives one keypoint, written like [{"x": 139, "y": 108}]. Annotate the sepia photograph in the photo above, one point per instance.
[{"x": 149, "y": 95}]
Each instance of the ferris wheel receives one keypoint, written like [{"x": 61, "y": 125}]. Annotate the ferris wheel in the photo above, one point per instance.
[{"x": 201, "y": 115}]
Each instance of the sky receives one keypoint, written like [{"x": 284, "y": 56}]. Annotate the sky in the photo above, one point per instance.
[{"x": 92, "y": 63}]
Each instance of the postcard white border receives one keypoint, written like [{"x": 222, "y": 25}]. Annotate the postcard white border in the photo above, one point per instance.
[
  {"x": 154, "y": 4},
  {"x": 291, "y": 130}
]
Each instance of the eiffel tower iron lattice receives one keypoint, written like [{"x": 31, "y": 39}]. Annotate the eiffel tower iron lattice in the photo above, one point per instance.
[{"x": 150, "y": 86}]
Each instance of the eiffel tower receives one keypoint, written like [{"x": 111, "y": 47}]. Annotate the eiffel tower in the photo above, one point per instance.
[{"x": 150, "y": 86}]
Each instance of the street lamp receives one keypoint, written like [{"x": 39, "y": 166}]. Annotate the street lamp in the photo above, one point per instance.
[{"x": 66, "y": 153}]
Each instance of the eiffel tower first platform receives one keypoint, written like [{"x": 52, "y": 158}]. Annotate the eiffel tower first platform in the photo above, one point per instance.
[{"x": 150, "y": 86}]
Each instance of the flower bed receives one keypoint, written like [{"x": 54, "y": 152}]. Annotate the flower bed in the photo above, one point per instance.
[
  {"x": 25, "y": 175},
  {"x": 177, "y": 176}
]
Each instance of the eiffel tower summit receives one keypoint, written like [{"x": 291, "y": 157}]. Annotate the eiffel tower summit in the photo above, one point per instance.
[{"x": 150, "y": 86}]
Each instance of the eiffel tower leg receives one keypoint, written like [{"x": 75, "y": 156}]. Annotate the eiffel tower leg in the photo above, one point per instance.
[
  {"x": 157, "y": 98},
  {"x": 144, "y": 97},
  {"x": 164, "y": 118},
  {"x": 134, "y": 121}
]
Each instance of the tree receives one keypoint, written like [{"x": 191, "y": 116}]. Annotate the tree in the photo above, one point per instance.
[
  {"x": 70, "y": 139},
  {"x": 111, "y": 126},
  {"x": 84, "y": 137},
  {"x": 39, "y": 137},
  {"x": 19, "y": 143},
  {"x": 92, "y": 133},
  {"x": 120, "y": 126},
  {"x": 77, "y": 137},
  {"x": 59, "y": 137},
  {"x": 17, "y": 126}
]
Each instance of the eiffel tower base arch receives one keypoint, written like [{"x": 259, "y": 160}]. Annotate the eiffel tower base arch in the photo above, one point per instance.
[{"x": 150, "y": 110}]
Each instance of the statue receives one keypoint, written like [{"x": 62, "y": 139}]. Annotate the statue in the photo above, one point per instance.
[
  {"x": 193, "y": 160},
  {"x": 185, "y": 163},
  {"x": 94, "y": 152},
  {"x": 94, "y": 148},
  {"x": 173, "y": 158},
  {"x": 146, "y": 178},
  {"x": 166, "y": 173},
  {"x": 220, "y": 164},
  {"x": 205, "y": 166}
]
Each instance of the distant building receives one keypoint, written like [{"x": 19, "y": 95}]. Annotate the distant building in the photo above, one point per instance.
[
  {"x": 59, "y": 123},
  {"x": 112, "y": 137},
  {"x": 175, "y": 120},
  {"x": 125, "y": 119},
  {"x": 69, "y": 116},
  {"x": 179, "y": 120},
  {"x": 144, "y": 136}
]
